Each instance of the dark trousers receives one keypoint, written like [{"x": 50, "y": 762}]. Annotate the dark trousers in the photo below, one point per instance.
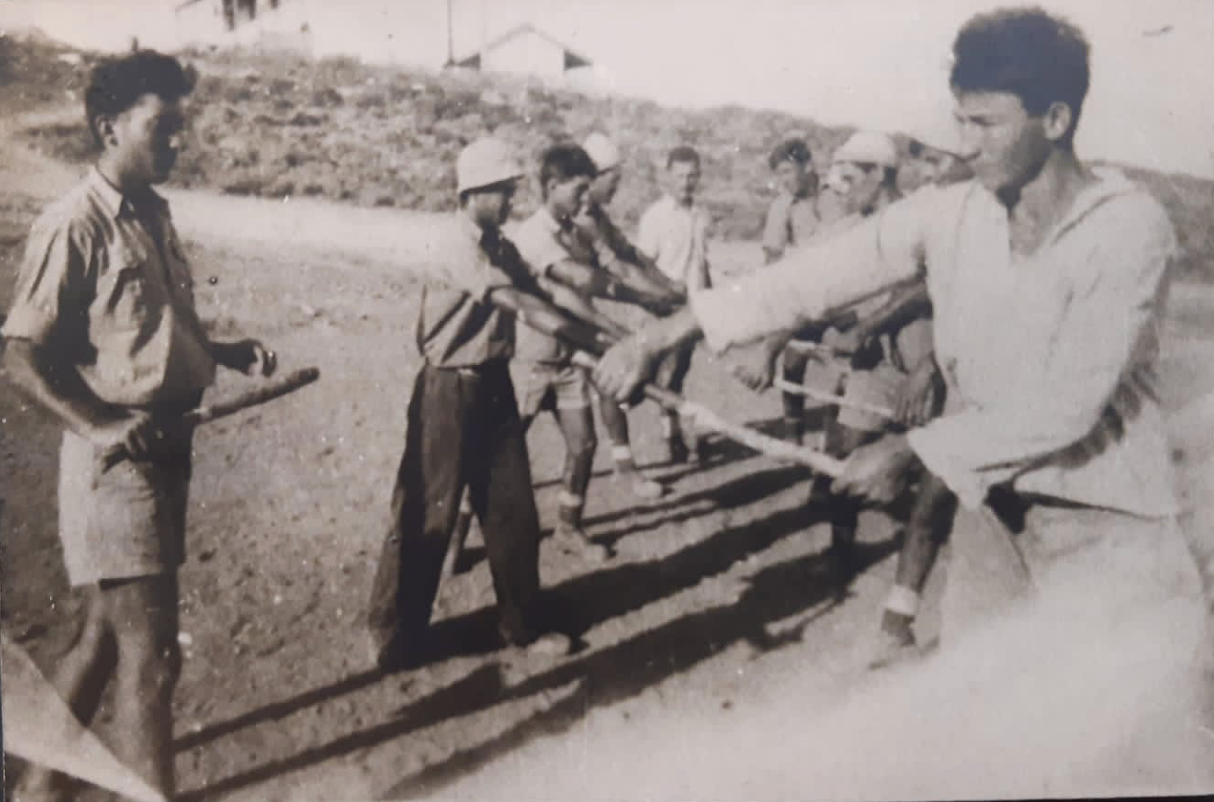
[{"x": 463, "y": 431}]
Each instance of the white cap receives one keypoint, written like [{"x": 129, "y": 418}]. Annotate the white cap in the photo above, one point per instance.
[
  {"x": 868, "y": 147},
  {"x": 603, "y": 152},
  {"x": 940, "y": 134},
  {"x": 485, "y": 162}
]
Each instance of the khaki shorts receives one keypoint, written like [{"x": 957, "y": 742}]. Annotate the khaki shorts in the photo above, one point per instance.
[
  {"x": 540, "y": 386},
  {"x": 122, "y": 523}
]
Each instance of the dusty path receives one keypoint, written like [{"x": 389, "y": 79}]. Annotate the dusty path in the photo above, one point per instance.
[{"x": 713, "y": 614}]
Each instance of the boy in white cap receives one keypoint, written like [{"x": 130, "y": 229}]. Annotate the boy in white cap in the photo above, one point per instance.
[
  {"x": 615, "y": 254},
  {"x": 464, "y": 428},
  {"x": 888, "y": 336},
  {"x": 933, "y": 158}
]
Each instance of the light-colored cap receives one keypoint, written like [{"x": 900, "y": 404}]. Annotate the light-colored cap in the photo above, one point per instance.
[
  {"x": 485, "y": 162},
  {"x": 940, "y": 134},
  {"x": 868, "y": 147},
  {"x": 603, "y": 152}
]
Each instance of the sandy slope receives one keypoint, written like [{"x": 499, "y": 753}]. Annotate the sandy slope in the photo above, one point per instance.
[{"x": 711, "y": 636}]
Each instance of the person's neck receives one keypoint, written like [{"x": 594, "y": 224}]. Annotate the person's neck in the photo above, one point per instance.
[
  {"x": 561, "y": 220},
  {"x": 884, "y": 198},
  {"x": 1045, "y": 199},
  {"x": 112, "y": 172},
  {"x": 686, "y": 203},
  {"x": 487, "y": 229}
]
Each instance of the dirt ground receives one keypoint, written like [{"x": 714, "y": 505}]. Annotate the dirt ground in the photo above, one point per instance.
[{"x": 714, "y": 620}]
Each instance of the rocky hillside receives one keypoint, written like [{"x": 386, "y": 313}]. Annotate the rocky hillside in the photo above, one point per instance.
[{"x": 280, "y": 125}]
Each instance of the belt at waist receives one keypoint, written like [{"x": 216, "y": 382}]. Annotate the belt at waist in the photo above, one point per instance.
[
  {"x": 491, "y": 367},
  {"x": 173, "y": 408}
]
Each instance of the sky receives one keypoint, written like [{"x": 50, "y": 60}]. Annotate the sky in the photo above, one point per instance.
[{"x": 869, "y": 63}]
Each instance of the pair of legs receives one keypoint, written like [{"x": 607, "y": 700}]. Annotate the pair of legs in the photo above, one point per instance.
[
  {"x": 129, "y": 642},
  {"x": 683, "y": 446},
  {"x": 463, "y": 431},
  {"x": 928, "y": 526},
  {"x": 564, "y": 390},
  {"x": 123, "y": 534},
  {"x": 615, "y": 421}
]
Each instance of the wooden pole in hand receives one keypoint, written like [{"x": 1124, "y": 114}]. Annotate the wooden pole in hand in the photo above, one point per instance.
[
  {"x": 822, "y": 463},
  {"x": 258, "y": 395}
]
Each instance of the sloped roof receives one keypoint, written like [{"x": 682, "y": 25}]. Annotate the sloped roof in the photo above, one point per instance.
[{"x": 572, "y": 58}]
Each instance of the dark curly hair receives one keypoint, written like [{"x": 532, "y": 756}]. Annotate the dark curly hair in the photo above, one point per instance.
[
  {"x": 565, "y": 161},
  {"x": 1036, "y": 56},
  {"x": 792, "y": 150},
  {"x": 117, "y": 84}
]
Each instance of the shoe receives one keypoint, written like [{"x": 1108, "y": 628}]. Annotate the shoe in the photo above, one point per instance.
[
  {"x": 895, "y": 642},
  {"x": 641, "y": 487},
  {"x": 520, "y": 662},
  {"x": 550, "y": 646},
  {"x": 392, "y": 655},
  {"x": 574, "y": 540}
]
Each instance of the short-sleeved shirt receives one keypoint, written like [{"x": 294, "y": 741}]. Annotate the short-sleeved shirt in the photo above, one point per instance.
[
  {"x": 105, "y": 283},
  {"x": 791, "y": 222},
  {"x": 676, "y": 238},
  {"x": 543, "y": 242},
  {"x": 457, "y": 326}
]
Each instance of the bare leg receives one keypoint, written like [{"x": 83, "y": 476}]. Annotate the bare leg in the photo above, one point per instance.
[
  {"x": 577, "y": 427},
  {"x": 80, "y": 680},
  {"x": 143, "y": 614},
  {"x": 615, "y": 420},
  {"x": 929, "y": 524}
]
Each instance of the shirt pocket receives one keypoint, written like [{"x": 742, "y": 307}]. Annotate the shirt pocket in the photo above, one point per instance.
[{"x": 125, "y": 293}]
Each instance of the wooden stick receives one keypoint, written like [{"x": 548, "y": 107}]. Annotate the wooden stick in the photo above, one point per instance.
[
  {"x": 822, "y": 463},
  {"x": 806, "y": 346},
  {"x": 221, "y": 409},
  {"x": 830, "y": 398}
]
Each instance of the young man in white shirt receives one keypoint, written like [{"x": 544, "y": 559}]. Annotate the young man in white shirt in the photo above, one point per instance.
[
  {"x": 673, "y": 232},
  {"x": 1046, "y": 277}
]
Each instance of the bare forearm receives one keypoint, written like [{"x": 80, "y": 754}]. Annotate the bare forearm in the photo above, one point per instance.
[
  {"x": 56, "y": 388},
  {"x": 543, "y": 316},
  {"x": 650, "y": 289},
  {"x": 582, "y": 310},
  {"x": 902, "y": 309},
  {"x": 667, "y": 334}
]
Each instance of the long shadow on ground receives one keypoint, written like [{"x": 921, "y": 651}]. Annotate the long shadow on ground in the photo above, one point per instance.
[
  {"x": 620, "y": 671},
  {"x": 629, "y": 667},
  {"x": 591, "y": 598}
]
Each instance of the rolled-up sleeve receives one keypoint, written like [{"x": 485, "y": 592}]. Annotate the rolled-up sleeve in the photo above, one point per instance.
[
  {"x": 50, "y": 289},
  {"x": 1111, "y": 314},
  {"x": 809, "y": 283}
]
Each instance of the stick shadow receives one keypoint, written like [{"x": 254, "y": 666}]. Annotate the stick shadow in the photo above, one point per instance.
[
  {"x": 622, "y": 670},
  {"x": 801, "y": 586}
]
